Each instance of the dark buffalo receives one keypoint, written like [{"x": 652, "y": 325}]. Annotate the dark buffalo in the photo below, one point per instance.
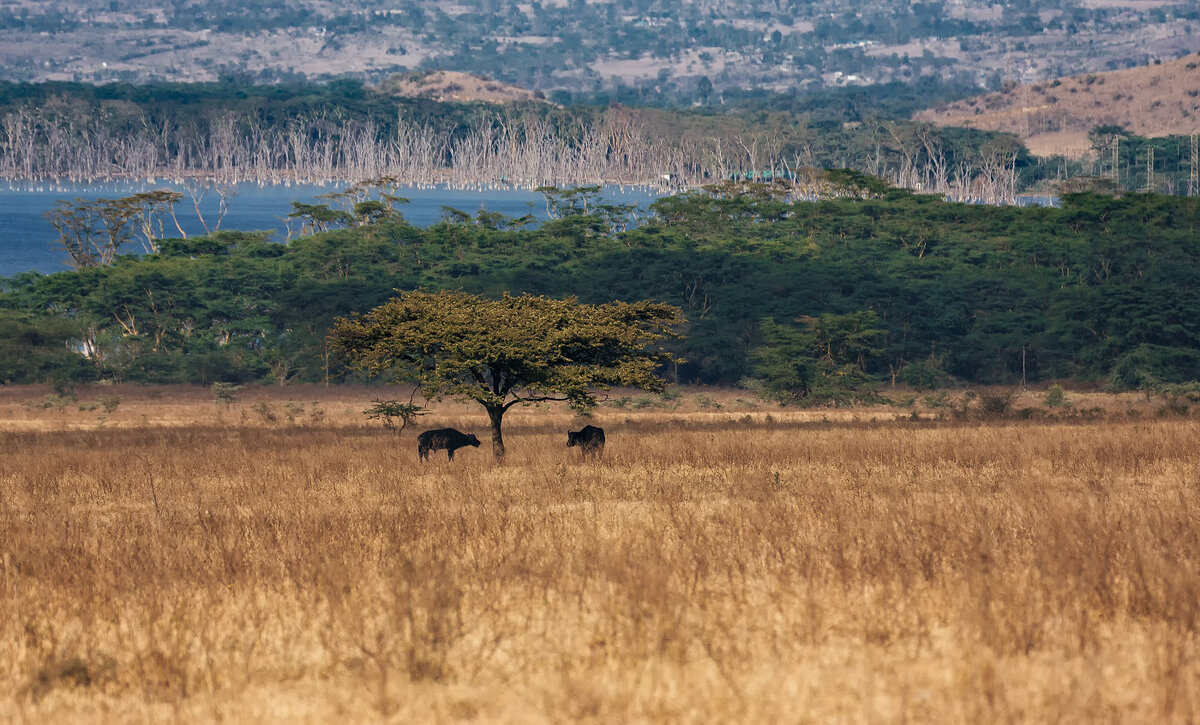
[
  {"x": 446, "y": 439},
  {"x": 590, "y": 440}
]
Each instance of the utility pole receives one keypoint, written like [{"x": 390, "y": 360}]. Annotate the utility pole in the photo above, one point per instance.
[
  {"x": 1116, "y": 161},
  {"x": 1194, "y": 171},
  {"x": 1150, "y": 169},
  {"x": 1023, "y": 348}
]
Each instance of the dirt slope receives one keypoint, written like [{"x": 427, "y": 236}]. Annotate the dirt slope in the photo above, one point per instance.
[
  {"x": 1055, "y": 116},
  {"x": 445, "y": 85}
]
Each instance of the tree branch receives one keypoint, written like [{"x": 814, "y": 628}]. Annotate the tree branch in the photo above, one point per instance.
[{"x": 532, "y": 399}]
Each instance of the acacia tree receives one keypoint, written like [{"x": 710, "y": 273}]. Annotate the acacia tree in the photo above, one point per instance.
[
  {"x": 92, "y": 230},
  {"x": 515, "y": 350}
]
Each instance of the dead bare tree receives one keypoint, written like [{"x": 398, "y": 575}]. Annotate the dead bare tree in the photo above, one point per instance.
[{"x": 150, "y": 211}]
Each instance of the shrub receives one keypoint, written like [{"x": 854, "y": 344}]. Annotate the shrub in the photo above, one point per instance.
[
  {"x": 265, "y": 412},
  {"x": 922, "y": 375},
  {"x": 996, "y": 403},
  {"x": 962, "y": 409},
  {"x": 225, "y": 393},
  {"x": 389, "y": 411},
  {"x": 56, "y": 402},
  {"x": 1056, "y": 397},
  {"x": 1147, "y": 367},
  {"x": 940, "y": 400},
  {"x": 291, "y": 411},
  {"x": 671, "y": 395}
]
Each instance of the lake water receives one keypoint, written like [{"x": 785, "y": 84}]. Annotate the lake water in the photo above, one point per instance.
[{"x": 29, "y": 243}]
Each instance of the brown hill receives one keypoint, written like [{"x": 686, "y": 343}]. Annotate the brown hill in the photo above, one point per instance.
[
  {"x": 444, "y": 85},
  {"x": 1054, "y": 116}
]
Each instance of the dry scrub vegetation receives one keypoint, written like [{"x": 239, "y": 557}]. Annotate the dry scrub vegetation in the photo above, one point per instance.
[
  {"x": 1055, "y": 116},
  {"x": 716, "y": 566}
]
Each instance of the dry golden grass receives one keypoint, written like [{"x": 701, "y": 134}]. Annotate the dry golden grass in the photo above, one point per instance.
[{"x": 714, "y": 567}]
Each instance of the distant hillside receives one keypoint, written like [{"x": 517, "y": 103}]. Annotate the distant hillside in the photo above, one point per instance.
[
  {"x": 649, "y": 52},
  {"x": 1053, "y": 117},
  {"x": 445, "y": 85}
]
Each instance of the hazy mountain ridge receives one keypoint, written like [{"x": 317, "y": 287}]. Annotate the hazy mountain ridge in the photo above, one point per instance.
[{"x": 682, "y": 50}]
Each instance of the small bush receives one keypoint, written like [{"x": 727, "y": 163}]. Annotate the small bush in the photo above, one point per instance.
[
  {"x": 225, "y": 393},
  {"x": 707, "y": 402},
  {"x": 265, "y": 412},
  {"x": 922, "y": 375},
  {"x": 56, "y": 402},
  {"x": 1056, "y": 398},
  {"x": 390, "y": 411},
  {"x": 1152, "y": 367},
  {"x": 940, "y": 400},
  {"x": 1172, "y": 408},
  {"x": 961, "y": 410},
  {"x": 291, "y": 411},
  {"x": 110, "y": 403},
  {"x": 996, "y": 404}
]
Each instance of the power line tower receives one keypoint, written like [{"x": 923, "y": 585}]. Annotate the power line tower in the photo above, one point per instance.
[{"x": 1194, "y": 171}]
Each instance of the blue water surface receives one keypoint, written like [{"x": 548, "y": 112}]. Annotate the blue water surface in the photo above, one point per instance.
[{"x": 29, "y": 243}]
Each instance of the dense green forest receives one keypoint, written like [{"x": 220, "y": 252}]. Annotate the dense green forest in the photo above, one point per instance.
[{"x": 804, "y": 298}]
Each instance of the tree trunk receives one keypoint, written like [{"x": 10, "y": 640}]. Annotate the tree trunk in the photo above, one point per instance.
[{"x": 496, "y": 415}]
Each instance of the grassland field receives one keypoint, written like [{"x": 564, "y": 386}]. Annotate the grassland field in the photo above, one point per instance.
[{"x": 164, "y": 557}]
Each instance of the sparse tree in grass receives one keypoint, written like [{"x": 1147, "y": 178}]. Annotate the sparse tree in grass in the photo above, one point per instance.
[
  {"x": 389, "y": 411},
  {"x": 514, "y": 350}
]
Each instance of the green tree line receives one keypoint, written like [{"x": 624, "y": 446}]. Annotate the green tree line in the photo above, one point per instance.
[{"x": 809, "y": 300}]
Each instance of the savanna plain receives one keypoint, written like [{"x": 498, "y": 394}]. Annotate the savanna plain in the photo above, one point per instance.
[{"x": 278, "y": 557}]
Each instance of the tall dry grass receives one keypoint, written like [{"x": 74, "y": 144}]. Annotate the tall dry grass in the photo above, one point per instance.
[{"x": 715, "y": 566}]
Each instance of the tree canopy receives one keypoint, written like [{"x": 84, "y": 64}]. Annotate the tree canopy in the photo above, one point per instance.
[
  {"x": 1100, "y": 290},
  {"x": 509, "y": 351}
]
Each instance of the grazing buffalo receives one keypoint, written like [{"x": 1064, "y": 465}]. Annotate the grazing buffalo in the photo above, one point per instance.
[
  {"x": 590, "y": 440},
  {"x": 444, "y": 438}
]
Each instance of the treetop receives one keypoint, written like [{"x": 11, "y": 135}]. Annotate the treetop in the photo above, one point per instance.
[{"x": 515, "y": 349}]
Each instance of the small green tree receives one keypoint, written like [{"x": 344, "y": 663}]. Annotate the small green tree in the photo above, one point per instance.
[
  {"x": 225, "y": 393},
  {"x": 93, "y": 230},
  {"x": 390, "y": 410},
  {"x": 1056, "y": 397},
  {"x": 317, "y": 218},
  {"x": 822, "y": 362},
  {"x": 514, "y": 350}
]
